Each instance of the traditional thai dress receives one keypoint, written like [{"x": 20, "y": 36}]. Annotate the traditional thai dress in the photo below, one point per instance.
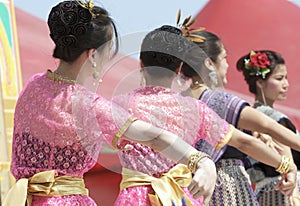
[
  {"x": 265, "y": 177},
  {"x": 59, "y": 127},
  {"x": 184, "y": 116},
  {"x": 233, "y": 187}
]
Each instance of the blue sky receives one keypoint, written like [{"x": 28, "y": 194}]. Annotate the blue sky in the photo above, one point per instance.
[{"x": 130, "y": 16}]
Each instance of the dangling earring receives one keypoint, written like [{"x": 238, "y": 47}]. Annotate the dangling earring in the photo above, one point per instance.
[
  {"x": 213, "y": 78},
  {"x": 95, "y": 73},
  {"x": 142, "y": 81},
  {"x": 180, "y": 81},
  {"x": 181, "y": 84}
]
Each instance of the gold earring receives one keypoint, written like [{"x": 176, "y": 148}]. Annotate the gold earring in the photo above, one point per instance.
[
  {"x": 213, "y": 77},
  {"x": 95, "y": 73},
  {"x": 142, "y": 81}
]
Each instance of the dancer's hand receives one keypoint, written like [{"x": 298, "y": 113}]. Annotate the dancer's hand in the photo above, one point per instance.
[
  {"x": 268, "y": 140},
  {"x": 204, "y": 180},
  {"x": 288, "y": 181},
  {"x": 295, "y": 199}
]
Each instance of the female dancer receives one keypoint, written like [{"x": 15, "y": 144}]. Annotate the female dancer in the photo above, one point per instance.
[
  {"x": 266, "y": 75},
  {"x": 161, "y": 53},
  {"x": 60, "y": 124},
  {"x": 232, "y": 177}
]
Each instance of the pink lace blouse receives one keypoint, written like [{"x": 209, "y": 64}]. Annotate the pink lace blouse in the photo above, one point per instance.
[
  {"x": 184, "y": 116},
  {"x": 60, "y": 126}
]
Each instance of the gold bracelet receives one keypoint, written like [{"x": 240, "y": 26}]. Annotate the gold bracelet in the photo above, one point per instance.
[
  {"x": 194, "y": 159},
  {"x": 122, "y": 130},
  {"x": 4, "y": 166},
  {"x": 297, "y": 197},
  {"x": 285, "y": 165}
]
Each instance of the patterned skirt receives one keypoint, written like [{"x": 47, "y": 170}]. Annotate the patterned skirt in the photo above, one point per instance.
[
  {"x": 233, "y": 185},
  {"x": 268, "y": 196}
]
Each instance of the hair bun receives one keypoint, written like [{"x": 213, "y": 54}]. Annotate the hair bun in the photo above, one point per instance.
[{"x": 67, "y": 21}]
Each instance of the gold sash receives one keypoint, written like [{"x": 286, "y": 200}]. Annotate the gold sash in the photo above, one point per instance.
[
  {"x": 167, "y": 188},
  {"x": 43, "y": 184}
]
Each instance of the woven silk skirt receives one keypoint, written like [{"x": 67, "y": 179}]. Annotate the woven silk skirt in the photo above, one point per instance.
[
  {"x": 268, "y": 196},
  {"x": 233, "y": 185}
]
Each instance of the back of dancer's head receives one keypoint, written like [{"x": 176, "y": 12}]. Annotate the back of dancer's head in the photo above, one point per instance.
[
  {"x": 163, "y": 47},
  {"x": 257, "y": 65},
  {"x": 76, "y": 27}
]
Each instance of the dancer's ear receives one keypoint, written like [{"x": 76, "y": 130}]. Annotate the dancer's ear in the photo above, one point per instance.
[
  {"x": 209, "y": 64},
  {"x": 91, "y": 54}
]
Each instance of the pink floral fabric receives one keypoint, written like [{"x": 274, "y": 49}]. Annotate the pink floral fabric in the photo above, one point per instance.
[
  {"x": 184, "y": 116},
  {"x": 60, "y": 126}
]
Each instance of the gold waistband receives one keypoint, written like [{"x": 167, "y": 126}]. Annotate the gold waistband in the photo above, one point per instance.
[
  {"x": 167, "y": 188},
  {"x": 43, "y": 184}
]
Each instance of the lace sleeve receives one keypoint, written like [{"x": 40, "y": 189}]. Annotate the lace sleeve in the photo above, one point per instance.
[
  {"x": 213, "y": 128},
  {"x": 112, "y": 120}
]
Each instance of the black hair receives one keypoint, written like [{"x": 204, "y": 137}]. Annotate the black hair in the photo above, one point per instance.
[
  {"x": 75, "y": 29},
  {"x": 163, "y": 48},
  {"x": 274, "y": 58},
  {"x": 212, "y": 45}
]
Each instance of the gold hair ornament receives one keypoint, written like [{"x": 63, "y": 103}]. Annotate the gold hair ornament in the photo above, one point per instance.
[
  {"x": 187, "y": 31},
  {"x": 89, "y": 5}
]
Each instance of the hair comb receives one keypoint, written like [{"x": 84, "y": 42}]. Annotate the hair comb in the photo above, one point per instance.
[
  {"x": 186, "y": 30},
  {"x": 89, "y": 5}
]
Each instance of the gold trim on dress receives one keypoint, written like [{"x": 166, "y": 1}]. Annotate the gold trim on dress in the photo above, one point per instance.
[
  {"x": 122, "y": 130},
  {"x": 226, "y": 139}
]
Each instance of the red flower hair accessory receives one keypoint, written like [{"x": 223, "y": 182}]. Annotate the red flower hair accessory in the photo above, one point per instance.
[{"x": 258, "y": 64}]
